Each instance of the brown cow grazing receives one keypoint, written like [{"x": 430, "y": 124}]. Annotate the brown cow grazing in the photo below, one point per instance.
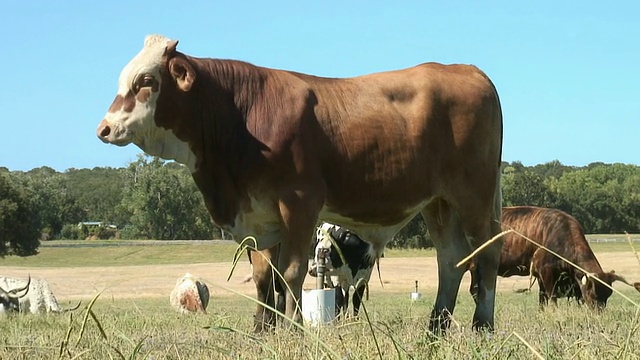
[
  {"x": 273, "y": 151},
  {"x": 562, "y": 234}
]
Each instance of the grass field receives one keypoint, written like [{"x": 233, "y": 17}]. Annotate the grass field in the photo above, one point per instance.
[
  {"x": 138, "y": 329},
  {"x": 184, "y": 252},
  {"x": 147, "y": 328}
]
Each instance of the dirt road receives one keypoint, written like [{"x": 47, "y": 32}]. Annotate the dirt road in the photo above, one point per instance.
[{"x": 398, "y": 275}]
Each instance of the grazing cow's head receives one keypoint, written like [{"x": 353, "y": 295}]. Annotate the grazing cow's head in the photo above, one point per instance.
[
  {"x": 595, "y": 293},
  {"x": 10, "y": 300},
  {"x": 131, "y": 116}
]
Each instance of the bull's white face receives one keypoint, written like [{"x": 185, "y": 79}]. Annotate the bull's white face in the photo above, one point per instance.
[{"x": 130, "y": 118}]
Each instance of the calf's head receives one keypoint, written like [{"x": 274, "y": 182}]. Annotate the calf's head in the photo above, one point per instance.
[{"x": 324, "y": 248}]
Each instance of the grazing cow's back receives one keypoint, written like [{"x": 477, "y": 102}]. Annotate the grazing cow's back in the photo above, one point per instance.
[
  {"x": 562, "y": 234},
  {"x": 272, "y": 151},
  {"x": 39, "y": 298},
  {"x": 349, "y": 263}
]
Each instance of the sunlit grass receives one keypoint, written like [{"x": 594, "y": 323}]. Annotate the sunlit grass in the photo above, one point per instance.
[
  {"x": 151, "y": 329},
  {"x": 178, "y": 253}
]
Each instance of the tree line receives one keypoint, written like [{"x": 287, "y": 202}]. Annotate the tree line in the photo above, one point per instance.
[{"x": 154, "y": 199}]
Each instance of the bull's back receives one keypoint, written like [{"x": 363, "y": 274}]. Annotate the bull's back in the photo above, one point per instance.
[{"x": 399, "y": 138}]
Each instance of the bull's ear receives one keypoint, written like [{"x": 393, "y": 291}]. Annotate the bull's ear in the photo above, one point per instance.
[{"x": 182, "y": 72}]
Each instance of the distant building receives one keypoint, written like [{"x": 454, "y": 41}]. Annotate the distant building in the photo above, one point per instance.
[{"x": 96, "y": 224}]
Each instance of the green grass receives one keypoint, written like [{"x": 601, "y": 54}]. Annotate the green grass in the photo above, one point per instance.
[
  {"x": 183, "y": 252},
  {"x": 178, "y": 253}
]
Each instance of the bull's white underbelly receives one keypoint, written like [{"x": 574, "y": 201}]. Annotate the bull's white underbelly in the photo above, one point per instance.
[
  {"x": 263, "y": 224},
  {"x": 375, "y": 234}
]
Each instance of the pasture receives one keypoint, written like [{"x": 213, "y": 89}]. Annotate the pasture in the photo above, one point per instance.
[{"x": 132, "y": 319}]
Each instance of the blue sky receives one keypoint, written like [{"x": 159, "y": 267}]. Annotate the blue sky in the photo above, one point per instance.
[{"x": 568, "y": 72}]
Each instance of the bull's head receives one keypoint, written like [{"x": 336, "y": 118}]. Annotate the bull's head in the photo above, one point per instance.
[
  {"x": 10, "y": 300},
  {"x": 131, "y": 118}
]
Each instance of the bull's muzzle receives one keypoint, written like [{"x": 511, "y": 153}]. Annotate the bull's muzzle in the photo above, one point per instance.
[{"x": 104, "y": 130}]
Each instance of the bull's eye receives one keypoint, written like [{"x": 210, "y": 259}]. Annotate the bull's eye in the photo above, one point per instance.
[
  {"x": 147, "y": 81},
  {"x": 144, "y": 81}
]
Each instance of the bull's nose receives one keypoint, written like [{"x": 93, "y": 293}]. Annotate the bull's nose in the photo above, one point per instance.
[{"x": 103, "y": 130}]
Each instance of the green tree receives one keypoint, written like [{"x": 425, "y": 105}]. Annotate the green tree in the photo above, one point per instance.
[
  {"x": 19, "y": 222},
  {"x": 526, "y": 188},
  {"x": 52, "y": 198},
  {"x": 164, "y": 202},
  {"x": 413, "y": 236},
  {"x": 603, "y": 197},
  {"x": 552, "y": 169},
  {"x": 98, "y": 192}
]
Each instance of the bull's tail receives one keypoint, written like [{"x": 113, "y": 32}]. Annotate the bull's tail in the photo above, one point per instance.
[{"x": 379, "y": 277}]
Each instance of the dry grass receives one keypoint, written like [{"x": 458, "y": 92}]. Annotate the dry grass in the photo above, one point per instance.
[
  {"x": 138, "y": 329},
  {"x": 147, "y": 328}
]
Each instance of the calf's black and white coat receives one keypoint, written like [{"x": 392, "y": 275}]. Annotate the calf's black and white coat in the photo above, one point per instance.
[{"x": 348, "y": 266}]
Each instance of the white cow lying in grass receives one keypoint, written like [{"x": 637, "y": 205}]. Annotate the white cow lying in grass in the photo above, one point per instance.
[
  {"x": 39, "y": 298},
  {"x": 189, "y": 295}
]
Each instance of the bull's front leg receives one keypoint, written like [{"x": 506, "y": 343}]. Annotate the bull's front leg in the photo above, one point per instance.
[
  {"x": 265, "y": 287},
  {"x": 299, "y": 213}
]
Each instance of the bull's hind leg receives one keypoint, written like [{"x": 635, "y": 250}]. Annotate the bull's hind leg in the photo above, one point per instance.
[
  {"x": 451, "y": 246},
  {"x": 480, "y": 225},
  {"x": 487, "y": 262}
]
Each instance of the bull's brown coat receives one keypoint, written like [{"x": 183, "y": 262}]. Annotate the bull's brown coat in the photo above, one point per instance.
[{"x": 273, "y": 151}]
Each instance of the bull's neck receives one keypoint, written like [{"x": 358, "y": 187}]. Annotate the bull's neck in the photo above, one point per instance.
[
  {"x": 224, "y": 148},
  {"x": 165, "y": 144}
]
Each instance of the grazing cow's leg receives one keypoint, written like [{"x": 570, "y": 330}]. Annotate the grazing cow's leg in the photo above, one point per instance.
[
  {"x": 473, "y": 287},
  {"x": 451, "y": 247},
  {"x": 545, "y": 285},
  {"x": 339, "y": 298},
  {"x": 345, "y": 305},
  {"x": 299, "y": 214},
  {"x": 358, "y": 295},
  {"x": 265, "y": 287}
]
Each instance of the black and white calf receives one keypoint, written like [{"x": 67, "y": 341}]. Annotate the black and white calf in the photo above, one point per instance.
[{"x": 346, "y": 267}]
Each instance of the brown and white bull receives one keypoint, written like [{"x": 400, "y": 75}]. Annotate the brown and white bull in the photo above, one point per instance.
[
  {"x": 273, "y": 151},
  {"x": 562, "y": 234}
]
